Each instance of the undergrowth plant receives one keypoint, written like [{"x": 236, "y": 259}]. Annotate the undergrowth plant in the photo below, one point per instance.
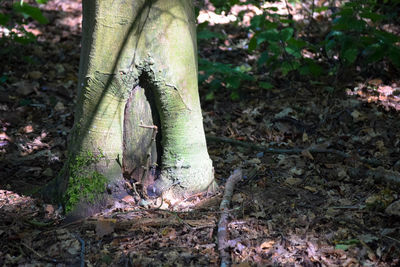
[
  {"x": 356, "y": 37},
  {"x": 13, "y": 21}
]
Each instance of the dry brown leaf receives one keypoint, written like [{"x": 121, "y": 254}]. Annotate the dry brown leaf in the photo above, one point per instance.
[
  {"x": 35, "y": 75},
  {"x": 293, "y": 181},
  {"x": 311, "y": 189},
  {"x": 394, "y": 208},
  {"x": 267, "y": 245},
  {"x": 105, "y": 227},
  {"x": 169, "y": 232},
  {"x": 375, "y": 82},
  {"x": 306, "y": 153}
]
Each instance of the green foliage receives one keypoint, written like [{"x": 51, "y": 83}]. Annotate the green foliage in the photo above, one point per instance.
[
  {"x": 284, "y": 47},
  {"x": 279, "y": 49},
  {"x": 356, "y": 35},
  {"x": 84, "y": 184},
  {"x": 346, "y": 244},
  {"x": 231, "y": 77},
  {"x": 15, "y": 20}
]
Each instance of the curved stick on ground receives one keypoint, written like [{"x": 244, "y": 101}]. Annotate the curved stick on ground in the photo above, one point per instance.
[
  {"x": 82, "y": 263},
  {"x": 265, "y": 149},
  {"x": 223, "y": 221}
]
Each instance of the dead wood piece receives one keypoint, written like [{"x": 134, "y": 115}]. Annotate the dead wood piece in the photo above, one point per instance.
[
  {"x": 82, "y": 255},
  {"x": 265, "y": 149},
  {"x": 223, "y": 221},
  {"x": 378, "y": 174}
]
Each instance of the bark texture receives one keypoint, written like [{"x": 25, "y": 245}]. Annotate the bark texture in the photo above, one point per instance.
[{"x": 139, "y": 68}]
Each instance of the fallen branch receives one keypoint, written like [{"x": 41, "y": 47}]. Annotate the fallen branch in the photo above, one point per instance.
[
  {"x": 82, "y": 255},
  {"x": 378, "y": 174},
  {"x": 223, "y": 221},
  {"x": 265, "y": 149}
]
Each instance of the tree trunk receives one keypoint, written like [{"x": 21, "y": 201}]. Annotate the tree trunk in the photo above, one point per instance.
[{"x": 138, "y": 109}]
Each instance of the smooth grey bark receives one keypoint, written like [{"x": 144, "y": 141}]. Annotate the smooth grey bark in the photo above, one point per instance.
[{"x": 138, "y": 70}]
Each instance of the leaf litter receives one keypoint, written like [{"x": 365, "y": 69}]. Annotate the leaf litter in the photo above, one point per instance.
[{"x": 295, "y": 209}]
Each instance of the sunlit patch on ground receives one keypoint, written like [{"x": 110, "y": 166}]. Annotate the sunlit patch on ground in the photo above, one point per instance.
[{"x": 375, "y": 91}]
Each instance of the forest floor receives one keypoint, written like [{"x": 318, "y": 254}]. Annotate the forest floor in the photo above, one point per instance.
[{"x": 332, "y": 202}]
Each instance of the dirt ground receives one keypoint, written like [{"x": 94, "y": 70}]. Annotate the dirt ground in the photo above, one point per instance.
[{"x": 319, "y": 189}]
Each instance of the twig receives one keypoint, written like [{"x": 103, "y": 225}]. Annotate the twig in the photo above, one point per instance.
[
  {"x": 265, "y": 149},
  {"x": 223, "y": 221},
  {"x": 392, "y": 238},
  {"x": 32, "y": 250},
  {"x": 378, "y": 174},
  {"x": 149, "y": 126},
  {"x": 41, "y": 257},
  {"x": 145, "y": 175},
  {"x": 82, "y": 250},
  {"x": 288, "y": 10}
]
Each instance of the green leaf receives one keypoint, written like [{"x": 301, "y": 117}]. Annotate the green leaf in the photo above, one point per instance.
[
  {"x": 41, "y": 1},
  {"x": 271, "y": 35},
  {"x": 243, "y": 68},
  {"x": 235, "y": 95},
  {"x": 329, "y": 47},
  {"x": 3, "y": 78},
  {"x": 350, "y": 55},
  {"x": 386, "y": 37},
  {"x": 394, "y": 56},
  {"x": 30, "y": 11},
  {"x": 287, "y": 67},
  {"x": 253, "y": 43},
  {"x": 298, "y": 43},
  {"x": 266, "y": 85},
  {"x": 310, "y": 68},
  {"x": 4, "y": 19},
  {"x": 263, "y": 58},
  {"x": 25, "y": 102},
  {"x": 320, "y": 9},
  {"x": 275, "y": 48},
  {"x": 207, "y": 34},
  {"x": 272, "y": 8},
  {"x": 372, "y": 16},
  {"x": 210, "y": 96},
  {"x": 270, "y": 25},
  {"x": 294, "y": 51},
  {"x": 203, "y": 77},
  {"x": 215, "y": 84},
  {"x": 202, "y": 26},
  {"x": 315, "y": 69},
  {"x": 257, "y": 21},
  {"x": 233, "y": 82},
  {"x": 25, "y": 39},
  {"x": 374, "y": 52},
  {"x": 286, "y": 33},
  {"x": 342, "y": 246},
  {"x": 349, "y": 24},
  {"x": 334, "y": 33},
  {"x": 286, "y": 21}
]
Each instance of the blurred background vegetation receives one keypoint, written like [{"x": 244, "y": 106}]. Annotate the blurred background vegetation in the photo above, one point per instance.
[
  {"x": 320, "y": 41},
  {"x": 316, "y": 41}
]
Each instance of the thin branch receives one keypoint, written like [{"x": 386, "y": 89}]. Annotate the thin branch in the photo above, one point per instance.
[
  {"x": 82, "y": 250},
  {"x": 223, "y": 221},
  {"x": 265, "y": 149}
]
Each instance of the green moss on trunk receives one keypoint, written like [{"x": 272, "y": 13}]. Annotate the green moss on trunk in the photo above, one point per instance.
[{"x": 84, "y": 184}]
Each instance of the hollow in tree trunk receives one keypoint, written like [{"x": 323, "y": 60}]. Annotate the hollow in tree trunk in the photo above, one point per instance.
[{"x": 138, "y": 110}]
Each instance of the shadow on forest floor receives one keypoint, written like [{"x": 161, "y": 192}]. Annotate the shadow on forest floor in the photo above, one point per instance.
[{"x": 305, "y": 209}]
